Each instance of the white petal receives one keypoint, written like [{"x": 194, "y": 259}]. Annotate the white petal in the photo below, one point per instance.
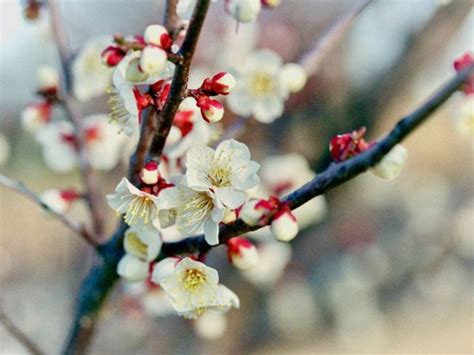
[
  {"x": 217, "y": 214},
  {"x": 240, "y": 101},
  {"x": 230, "y": 197},
  {"x": 247, "y": 178},
  {"x": 163, "y": 269},
  {"x": 268, "y": 109},
  {"x": 232, "y": 152},
  {"x": 198, "y": 163},
  {"x": 132, "y": 268},
  {"x": 211, "y": 232}
]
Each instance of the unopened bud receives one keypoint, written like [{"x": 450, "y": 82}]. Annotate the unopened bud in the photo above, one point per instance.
[
  {"x": 211, "y": 110},
  {"x": 144, "y": 243},
  {"x": 132, "y": 268},
  {"x": 284, "y": 226},
  {"x": 252, "y": 212},
  {"x": 294, "y": 77},
  {"x": 48, "y": 78},
  {"x": 157, "y": 35},
  {"x": 220, "y": 84},
  {"x": 35, "y": 116},
  {"x": 462, "y": 63},
  {"x": 111, "y": 56},
  {"x": 242, "y": 253},
  {"x": 391, "y": 164},
  {"x": 57, "y": 200},
  {"x": 243, "y": 10},
  {"x": 152, "y": 60},
  {"x": 150, "y": 174}
]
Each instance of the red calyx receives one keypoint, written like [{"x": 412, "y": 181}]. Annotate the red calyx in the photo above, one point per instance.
[
  {"x": 182, "y": 121},
  {"x": 112, "y": 55},
  {"x": 235, "y": 244},
  {"x": 348, "y": 145},
  {"x": 160, "y": 91},
  {"x": 69, "y": 195},
  {"x": 461, "y": 63}
]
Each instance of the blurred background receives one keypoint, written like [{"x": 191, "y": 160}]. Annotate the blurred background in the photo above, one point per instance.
[{"x": 389, "y": 266}]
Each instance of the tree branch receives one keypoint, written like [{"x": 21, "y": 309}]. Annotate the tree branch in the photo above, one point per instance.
[
  {"x": 93, "y": 195},
  {"x": 18, "y": 334},
  {"x": 336, "y": 174},
  {"x": 69, "y": 223}
]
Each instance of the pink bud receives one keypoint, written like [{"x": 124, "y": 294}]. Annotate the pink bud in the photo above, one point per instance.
[
  {"x": 284, "y": 225},
  {"x": 157, "y": 35},
  {"x": 242, "y": 253},
  {"x": 152, "y": 60},
  {"x": 150, "y": 174},
  {"x": 211, "y": 110},
  {"x": 220, "y": 84},
  {"x": 112, "y": 55}
]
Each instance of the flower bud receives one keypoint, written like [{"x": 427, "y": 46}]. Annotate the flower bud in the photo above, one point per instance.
[
  {"x": 144, "y": 243},
  {"x": 112, "y": 55},
  {"x": 211, "y": 325},
  {"x": 132, "y": 269},
  {"x": 271, "y": 3},
  {"x": 284, "y": 226},
  {"x": 157, "y": 35},
  {"x": 211, "y": 110},
  {"x": 152, "y": 60},
  {"x": 163, "y": 269},
  {"x": 251, "y": 214},
  {"x": 35, "y": 116},
  {"x": 150, "y": 174},
  {"x": 220, "y": 84},
  {"x": 48, "y": 78},
  {"x": 461, "y": 63},
  {"x": 391, "y": 164},
  {"x": 243, "y": 10},
  {"x": 293, "y": 77},
  {"x": 59, "y": 201},
  {"x": 242, "y": 253}
]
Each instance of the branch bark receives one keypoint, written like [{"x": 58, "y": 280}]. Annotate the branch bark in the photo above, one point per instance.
[
  {"x": 336, "y": 174},
  {"x": 93, "y": 195},
  {"x": 18, "y": 334},
  {"x": 75, "y": 227}
]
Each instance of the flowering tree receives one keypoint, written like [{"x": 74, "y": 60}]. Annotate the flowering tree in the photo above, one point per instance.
[{"x": 188, "y": 180}]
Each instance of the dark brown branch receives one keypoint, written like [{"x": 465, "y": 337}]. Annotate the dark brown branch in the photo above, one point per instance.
[
  {"x": 78, "y": 229},
  {"x": 336, "y": 174},
  {"x": 93, "y": 195},
  {"x": 311, "y": 61},
  {"x": 18, "y": 334},
  {"x": 180, "y": 79}
]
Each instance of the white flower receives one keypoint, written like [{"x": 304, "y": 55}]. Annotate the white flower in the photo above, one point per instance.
[
  {"x": 211, "y": 325},
  {"x": 284, "y": 226},
  {"x": 132, "y": 269},
  {"x": 391, "y": 164},
  {"x": 47, "y": 77},
  {"x": 243, "y": 10},
  {"x": 58, "y": 143},
  {"x": 262, "y": 86},
  {"x": 215, "y": 180},
  {"x": 152, "y": 60},
  {"x": 139, "y": 208},
  {"x": 185, "y": 9},
  {"x": 103, "y": 142},
  {"x": 91, "y": 76},
  {"x": 35, "y": 116},
  {"x": 272, "y": 260},
  {"x": 57, "y": 200},
  {"x": 193, "y": 288},
  {"x": 192, "y": 211},
  {"x": 154, "y": 34},
  {"x": 144, "y": 243},
  {"x": 226, "y": 172}
]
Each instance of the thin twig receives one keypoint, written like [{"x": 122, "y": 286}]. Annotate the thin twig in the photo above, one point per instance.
[
  {"x": 336, "y": 174},
  {"x": 93, "y": 194},
  {"x": 311, "y": 61},
  {"x": 69, "y": 223},
  {"x": 18, "y": 334}
]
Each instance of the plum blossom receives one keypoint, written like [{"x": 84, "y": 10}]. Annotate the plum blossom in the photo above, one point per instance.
[
  {"x": 91, "y": 76},
  {"x": 192, "y": 287},
  {"x": 263, "y": 86},
  {"x": 60, "y": 147},
  {"x": 144, "y": 243},
  {"x": 391, "y": 164},
  {"x": 214, "y": 180},
  {"x": 140, "y": 208}
]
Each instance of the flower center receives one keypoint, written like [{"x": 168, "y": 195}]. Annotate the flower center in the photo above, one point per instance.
[
  {"x": 219, "y": 175},
  {"x": 193, "y": 279},
  {"x": 261, "y": 84},
  {"x": 141, "y": 207},
  {"x": 137, "y": 245}
]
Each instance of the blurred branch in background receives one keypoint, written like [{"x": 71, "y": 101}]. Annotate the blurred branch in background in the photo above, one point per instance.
[
  {"x": 69, "y": 223},
  {"x": 18, "y": 334}
]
